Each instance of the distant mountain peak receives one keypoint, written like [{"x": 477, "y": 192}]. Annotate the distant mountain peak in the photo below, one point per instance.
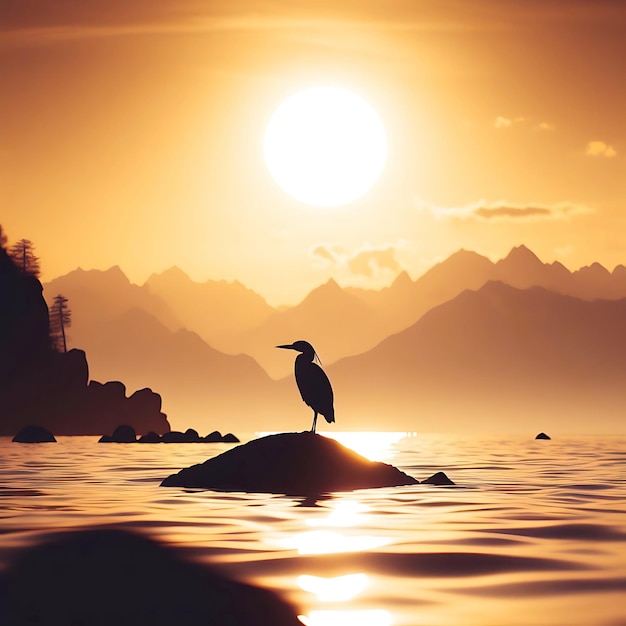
[
  {"x": 330, "y": 286},
  {"x": 522, "y": 254},
  {"x": 115, "y": 270},
  {"x": 402, "y": 280},
  {"x": 330, "y": 289},
  {"x": 172, "y": 275},
  {"x": 114, "y": 273},
  {"x": 559, "y": 266},
  {"x": 463, "y": 254},
  {"x": 594, "y": 269},
  {"x": 173, "y": 272}
]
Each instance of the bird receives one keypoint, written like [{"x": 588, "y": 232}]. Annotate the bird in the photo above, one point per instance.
[{"x": 314, "y": 386}]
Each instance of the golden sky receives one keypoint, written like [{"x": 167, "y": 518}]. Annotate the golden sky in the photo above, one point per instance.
[{"x": 132, "y": 134}]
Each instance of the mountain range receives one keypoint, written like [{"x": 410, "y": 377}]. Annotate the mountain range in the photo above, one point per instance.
[
  {"x": 470, "y": 344},
  {"x": 500, "y": 357}
]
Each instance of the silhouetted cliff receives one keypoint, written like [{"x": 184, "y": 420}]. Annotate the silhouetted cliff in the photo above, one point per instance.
[
  {"x": 40, "y": 385},
  {"x": 23, "y": 321}
]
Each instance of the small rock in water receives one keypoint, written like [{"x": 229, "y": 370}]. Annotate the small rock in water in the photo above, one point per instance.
[
  {"x": 542, "y": 436},
  {"x": 213, "y": 437},
  {"x": 230, "y": 438},
  {"x": 192, "y": 435},
  {"x": 34, "y": 434},
  {"x": 438, "y": 479},
  {"x": 150, "y": 437},
  {"x": 174, "y": 436},
  {"x": 122, "y": 434}
]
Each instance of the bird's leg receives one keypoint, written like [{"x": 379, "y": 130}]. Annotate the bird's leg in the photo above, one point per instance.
[{"x": 314, "y": 422}]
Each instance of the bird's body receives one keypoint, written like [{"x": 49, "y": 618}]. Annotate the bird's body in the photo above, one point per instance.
[{"x": 314, "y": 386}]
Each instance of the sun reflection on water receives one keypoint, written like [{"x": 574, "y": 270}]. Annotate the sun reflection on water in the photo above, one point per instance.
[
  {"x": 374, "y": 617},
  {"x": 375, "y": 446},
  {"x": 343, "y": 513},
  {"x": 331, "y": 542},
  {"x": 336, "y": 589},
  {"x": 325, "y": 539}
]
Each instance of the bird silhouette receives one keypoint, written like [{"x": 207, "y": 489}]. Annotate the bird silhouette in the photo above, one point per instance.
[{"x": 312, "y": 382}]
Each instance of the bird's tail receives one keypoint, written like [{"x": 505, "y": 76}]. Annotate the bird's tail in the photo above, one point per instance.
[{"x": 330, "y": 417}]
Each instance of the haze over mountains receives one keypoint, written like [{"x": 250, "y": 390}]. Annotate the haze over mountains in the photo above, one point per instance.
[
  {"x": 131, "y": 334},
  {"x": 469, "y": 345},
  {"x": 501, "y": 356}
]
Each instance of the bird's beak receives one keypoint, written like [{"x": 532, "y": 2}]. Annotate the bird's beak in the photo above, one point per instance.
[{"x": 286, "y": 347}]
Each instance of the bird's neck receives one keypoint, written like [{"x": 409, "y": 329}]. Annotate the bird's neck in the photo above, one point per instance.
[{"x": 305, "y": 357}]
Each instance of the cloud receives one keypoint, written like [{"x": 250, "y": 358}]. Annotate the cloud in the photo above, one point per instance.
[
  {"x": 367, "y": 262},
  {"x": 599, "y": 148},
  {"x": 505, "y": 122},
  {"x": 515, "y": 212},
  {"x": 502, "y": 122},
  {"x": 325, "y": 253},
  {"x": 371, "y": 262},
  {"x": 486, "y": 211}
]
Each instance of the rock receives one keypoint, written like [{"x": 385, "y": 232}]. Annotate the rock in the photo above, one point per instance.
[
  {"x": 150, "y": 437},
  {"x": 289, "y": 463},
  {"x": 107, "y": 405},
  {"x": 542, "y": 436},
  {"x": 24, "y": 331},
  {"x": 438, "y": 479},
  {"x": 39, "y": 385},
  {"x": 214, "y": 437},
  {"x": 145, "y": 402},
  {"x": 107, "y": 576},
  {"x": 174, "y": 436},
  {"x": 192, "y": 435},
  {"x": 122, "y": 434},
  {"x": 217, "y": 437},
  {"x": 34, "y": 434},
  {"x": 230, "y": 438}
]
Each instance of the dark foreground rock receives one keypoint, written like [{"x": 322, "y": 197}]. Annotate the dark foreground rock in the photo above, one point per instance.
[
  {"x": 34, "y": 434},
  {"x": 289, "y": 463},
  {"x": 117, "y": 577},
  {"x": 542, "y": 436}
]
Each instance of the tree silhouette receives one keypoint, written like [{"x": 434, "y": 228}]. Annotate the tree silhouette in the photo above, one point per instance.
[
  {"x": 3, "y": 237},
  {"x": 24, "y": 257},
  {"x": 60, "y": 319}
]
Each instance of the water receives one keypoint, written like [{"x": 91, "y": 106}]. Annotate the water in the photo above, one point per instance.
[{"x": 534, "y": 532}]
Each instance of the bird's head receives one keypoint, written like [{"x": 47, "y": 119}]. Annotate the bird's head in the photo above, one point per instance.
[{"x": 301, "y": 346}]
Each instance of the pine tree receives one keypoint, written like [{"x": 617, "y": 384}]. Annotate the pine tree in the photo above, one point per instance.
[
  {"x": 60, "y": 319},
  {"x": 24, "y": 257}
]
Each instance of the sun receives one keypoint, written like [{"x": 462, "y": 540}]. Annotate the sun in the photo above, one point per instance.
[{"x": 325, "y": 146}]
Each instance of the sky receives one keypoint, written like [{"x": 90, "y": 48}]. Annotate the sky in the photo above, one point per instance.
[{"x": 132, "y": 134}]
